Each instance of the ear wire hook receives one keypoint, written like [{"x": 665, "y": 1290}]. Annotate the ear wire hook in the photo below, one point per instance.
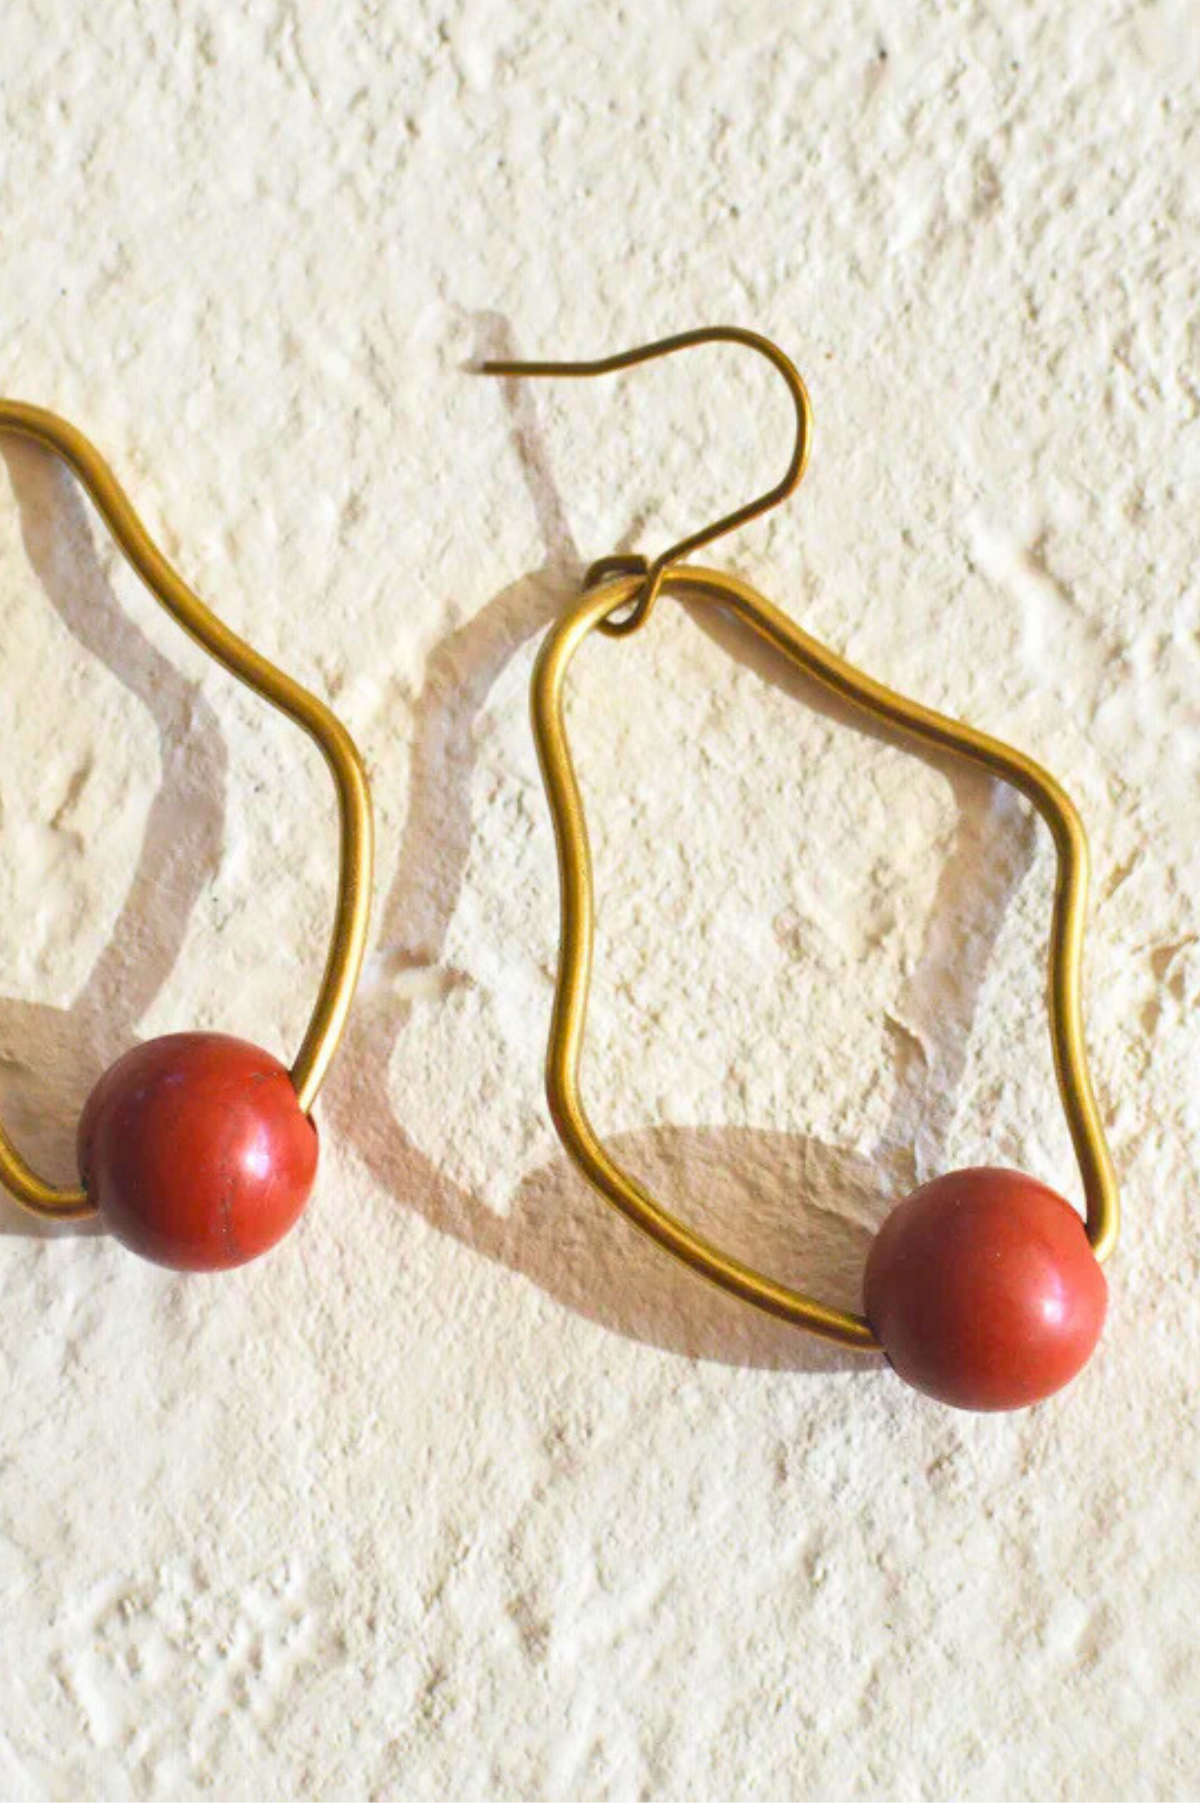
[{"x": 653, "y": 573}]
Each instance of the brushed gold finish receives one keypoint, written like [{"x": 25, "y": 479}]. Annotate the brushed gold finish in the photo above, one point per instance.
[
  {"x": 352, "y": 909},
  {"x": 624, "y": 580}
]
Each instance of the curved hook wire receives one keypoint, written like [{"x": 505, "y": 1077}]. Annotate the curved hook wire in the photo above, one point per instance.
[
  {"x": 352, "y": 909},
  {"x": 653, "y": 573}
]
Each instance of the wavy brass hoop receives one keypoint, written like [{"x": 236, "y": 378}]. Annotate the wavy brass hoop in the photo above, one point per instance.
[
  {"x": 352, "y": 909},
  {"x": 913, "y": 721}
]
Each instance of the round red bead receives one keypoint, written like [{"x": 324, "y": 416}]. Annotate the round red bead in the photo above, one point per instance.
[
  {"x": 195, "y": 1151},
  {"x": 983, "y": 1290}
]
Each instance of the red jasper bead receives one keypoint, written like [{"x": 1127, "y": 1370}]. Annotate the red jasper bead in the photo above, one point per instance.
[
  {"x": 983, "y": 1290},
  {"x": 195, "y": 1152}
]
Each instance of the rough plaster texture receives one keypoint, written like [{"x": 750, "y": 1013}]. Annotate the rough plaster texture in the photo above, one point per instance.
[{"x": 466, "y": 1490}]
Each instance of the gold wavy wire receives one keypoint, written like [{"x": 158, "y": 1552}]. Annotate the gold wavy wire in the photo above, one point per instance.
[
  {"x": 352, "y": 909},
  {"x": 910, "y": 719}
]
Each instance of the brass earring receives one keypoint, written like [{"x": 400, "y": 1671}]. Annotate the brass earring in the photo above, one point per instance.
[
  {"x": 197, "y": 1149},
  {"x": 984, "y": 1287}
]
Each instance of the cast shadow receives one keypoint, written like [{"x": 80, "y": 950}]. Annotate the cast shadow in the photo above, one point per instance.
[
  {"x": 799, "y": 1208},
  {"x": 50, "y": 1057}
]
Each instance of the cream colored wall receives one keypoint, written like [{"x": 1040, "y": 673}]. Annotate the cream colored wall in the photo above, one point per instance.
[{"x": 466, "y": 1491}]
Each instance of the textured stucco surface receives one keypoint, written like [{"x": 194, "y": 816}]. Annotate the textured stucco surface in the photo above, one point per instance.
[{"x": 465, "y": 1490}]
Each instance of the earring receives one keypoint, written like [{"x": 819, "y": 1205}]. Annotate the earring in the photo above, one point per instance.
[
  {"x": 983, "y": 1288},
  {"x": 197, "y": 1149}
]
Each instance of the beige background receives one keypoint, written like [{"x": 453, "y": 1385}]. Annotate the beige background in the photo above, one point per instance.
[{"x": 465, "y": 1490}]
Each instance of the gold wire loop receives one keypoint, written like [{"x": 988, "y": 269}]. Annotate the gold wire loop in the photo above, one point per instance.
[
  {"x": 627, "y": 581},
  {"x": 915, "y": 722},
  {"x": 352, "y": 909},
  {"x": 654, "y": 572}
]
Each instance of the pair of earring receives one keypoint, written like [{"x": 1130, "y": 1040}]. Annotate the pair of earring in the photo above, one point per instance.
[{"x": 984, "y": 1288}]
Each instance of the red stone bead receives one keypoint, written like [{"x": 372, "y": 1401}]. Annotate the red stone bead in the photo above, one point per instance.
[
  {"x": 195, "y": 1151},
  {"x": 983, "y": 1290}
]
